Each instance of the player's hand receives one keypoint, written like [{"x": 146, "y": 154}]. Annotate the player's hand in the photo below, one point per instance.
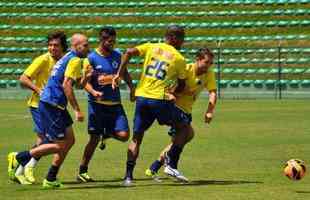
[
  {"x": 97, "y": 94},
  {"x": 79, "y": 116},
  {"x": 115, "y": 81},
  {"x": 132, "y": 95},
  {"x": 208, "y": 117},
  {"x": 171, "y": 97},
  {"x": 88, "y": 72}
]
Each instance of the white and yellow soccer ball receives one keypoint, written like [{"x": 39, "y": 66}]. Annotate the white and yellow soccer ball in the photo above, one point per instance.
[{"x": 295, "y": 169}]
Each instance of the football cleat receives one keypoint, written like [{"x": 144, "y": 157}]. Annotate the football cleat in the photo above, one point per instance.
[
  {"x": 12, "y": 164},
  {"x": 175, "y": 173},
  {"x": 153, "y": 175},
  {"x": 84, "y": 177},
  {"x": 127, "y": 182},
  {"x": 28, "y": 172},
  {"x": 51, "y": 184},
  {"x": 21, "y": 179}
]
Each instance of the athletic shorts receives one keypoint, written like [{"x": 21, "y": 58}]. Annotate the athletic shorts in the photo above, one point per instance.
[
  {"x": 54, "y": 120},
  {"x": 37, "y": 126},
  {"x": 148, "y": 110},
  {"x": 106, "y": 119},
  {"x": 186, "y": 118}
]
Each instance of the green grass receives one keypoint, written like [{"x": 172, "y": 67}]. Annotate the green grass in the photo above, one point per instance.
[{"x": 239, "y": 156}]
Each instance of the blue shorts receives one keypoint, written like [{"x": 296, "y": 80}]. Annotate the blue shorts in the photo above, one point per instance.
[
  {"x": 186, "y": 118},
  {"x": 54, "y": 121},
  {"x": 106, "y": 119},
  {"x": 147, "y": 110},
  {"x": 37, "y": 126}
]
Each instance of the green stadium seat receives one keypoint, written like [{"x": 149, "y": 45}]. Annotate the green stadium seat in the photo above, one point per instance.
[
  {"x": 235, "y": 83},
  {"x": 224, "y": 83},
  {"x": 12, "y": 83},
  {"x": 262, "y": 70},
  {"x": 8, "y": 71},
  {"x": 305, "y": 83},
  {"x": 3, "y": 83},
  {"x": 246, "y": 83},
  {"x": 298, "y": 70},
  {"x": 228, "y": 70},
  {"x": 294, "y": 83},
  {"x": 250, "y": 71},
  {"x": 18, "y": 71},
  {"x": 270, "y": 84},
  {"x": 258, "y": 83}
]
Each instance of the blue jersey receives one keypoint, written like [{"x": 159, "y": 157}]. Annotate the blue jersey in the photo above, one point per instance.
[
  {"x": 70, "y": 66},
  {"x": 104, "y": 65}
]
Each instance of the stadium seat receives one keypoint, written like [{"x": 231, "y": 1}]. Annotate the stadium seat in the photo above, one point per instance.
[
  {"x": 3, "y": 83},
  {"x": 305, "y": 83},
  {"x": 258, "y": 83},
  {"x": 246, "y": 83},
  {"x": 224, "y": 83},
  {"x": 235, "y": 83},
  {"x": 294, "y": 83}
]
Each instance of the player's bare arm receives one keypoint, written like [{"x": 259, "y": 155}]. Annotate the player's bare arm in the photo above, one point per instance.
[
  {"x": 68, "y": 90},
  {"x": 27, "y": 82},
  {"x": 211, "y": 106}
]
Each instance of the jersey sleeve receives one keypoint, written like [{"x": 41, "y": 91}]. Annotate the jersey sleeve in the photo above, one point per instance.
[
  {"x": 74, "y": 68},
  {"x": 181, "y": 68},
  {"x": 210, "y": 83},
  {"x": 143, "y": 48},
  {"x": 34, "y": 68}
]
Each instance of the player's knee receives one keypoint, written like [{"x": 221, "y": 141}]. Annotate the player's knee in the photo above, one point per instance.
[{"x": 123, "y": 136}]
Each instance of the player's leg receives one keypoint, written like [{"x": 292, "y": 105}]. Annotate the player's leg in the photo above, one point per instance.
[
  {"x": 87, "y": 156},
  {"x": 66, "y": 144},
  {"x": 142, "y": 121},
  {"x": 28, "y": 171},
  {"x": 95, "y": 129},
  {"x": 119, "y": 124}
]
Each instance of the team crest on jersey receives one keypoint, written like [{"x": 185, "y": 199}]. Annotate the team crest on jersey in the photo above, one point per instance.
[
  {"x": 98, "y": 67},
  {"x": 115, "y": 64}
]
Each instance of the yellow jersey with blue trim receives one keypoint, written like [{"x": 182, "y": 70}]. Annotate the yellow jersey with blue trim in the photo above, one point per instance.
[
  {"x": 193, "y": 86},
  {"x": 71, "y": 66},
  {"x": 162, "y": 66},
  {"x": 39, "y": 71}
]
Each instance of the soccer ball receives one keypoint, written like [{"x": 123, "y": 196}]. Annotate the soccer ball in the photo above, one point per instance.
[{"x": 295, "y": 169}]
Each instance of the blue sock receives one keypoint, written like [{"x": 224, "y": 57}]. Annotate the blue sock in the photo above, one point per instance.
[
  {"x": 52, "y": 173},
  {"x": 174, "y": 155},
  {"x": 130, "y": 165},
  {"x": 156, "y": 166},
  {"x": 83, "y": 169},
  {"x": 23, "y": 157}
]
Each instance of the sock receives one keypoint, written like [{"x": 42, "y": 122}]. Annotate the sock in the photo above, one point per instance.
[
  {"x": 130, "y": 165},
  {"x": 174, "y": 155},
  {"x": 19, "y": 171},
  {"x": 32, "y": 163},
  {"x": 156, "y": 166},
  {"x": 23, "y": 157},
  {"x": 83, "y": 169},
  {"x": 52, "y": 173}
]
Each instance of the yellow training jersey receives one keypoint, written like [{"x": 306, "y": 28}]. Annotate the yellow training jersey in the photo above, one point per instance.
[
  {"x": 194, "y": 85},
  {"x": 162, "y": 66},
  {"x": 39, "y": 71}
]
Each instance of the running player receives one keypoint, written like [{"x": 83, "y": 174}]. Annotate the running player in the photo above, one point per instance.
[
  {"x": 35, "y": 78},
  {"x": 199, "y": 77},
  {"x": 163, "y": 65},
  {"x": 106, "y": 115},
  {"x": 55, "y": 119}
]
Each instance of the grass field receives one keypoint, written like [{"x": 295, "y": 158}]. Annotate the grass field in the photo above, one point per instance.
[{"x": 239, "y": 156}]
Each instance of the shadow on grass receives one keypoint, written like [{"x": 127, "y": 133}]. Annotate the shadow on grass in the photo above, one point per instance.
[
  {"x": 108, "y": 181},
  {"x": 214, "y": 182},
  {"x": 94, "y": 185},
  {"x": 303, "y": 192}
]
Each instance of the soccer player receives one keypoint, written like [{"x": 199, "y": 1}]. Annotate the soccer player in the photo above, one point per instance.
[
  {"x": 35, "y": 78},
  {"x": 106, "y": 115},
  {"x": 163, "y": 64},
  {"x": 199, "y": 76},
  {"x": 55, "y": 119}
]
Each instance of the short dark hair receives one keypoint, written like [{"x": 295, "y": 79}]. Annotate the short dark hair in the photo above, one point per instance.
[
  {"x": 58, "y": 35},
  {"x": 175, "y": 31},
  {"x": 204, "y": 51},
  {"x": 106, "y": 32}
]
